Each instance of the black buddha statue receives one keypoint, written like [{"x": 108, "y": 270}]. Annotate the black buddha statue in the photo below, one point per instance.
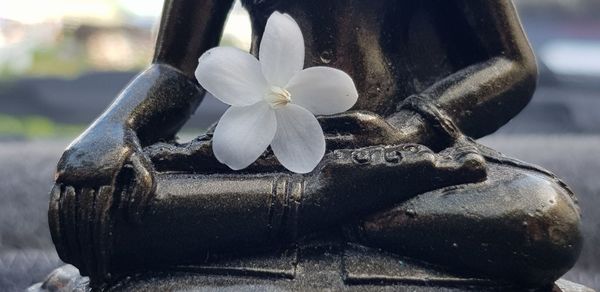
[{"x": 402, "y": 175}]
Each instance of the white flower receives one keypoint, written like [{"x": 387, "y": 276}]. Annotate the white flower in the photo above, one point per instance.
[{"x": 273, "y": 101}]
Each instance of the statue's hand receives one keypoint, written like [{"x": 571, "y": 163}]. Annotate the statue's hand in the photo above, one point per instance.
[
  {"x": 105, "y": 155},
  {"x": 102, "y": 169},
  {"x": 355, "y": 129}
]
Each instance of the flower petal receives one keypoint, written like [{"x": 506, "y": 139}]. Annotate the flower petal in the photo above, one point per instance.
[
  {"x": 299, "y": 143},
  {"x": 243, "y": 134},
  {"x": 231, "y": 75},
  {"x": 323, "y": 90},
  {"x": 281, "y": 51}
]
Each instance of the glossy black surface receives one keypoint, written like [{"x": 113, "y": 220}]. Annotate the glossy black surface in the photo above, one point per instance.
[{"x": 400, "y": 174}]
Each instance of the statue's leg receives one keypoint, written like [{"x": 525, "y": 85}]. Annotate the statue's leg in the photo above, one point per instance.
[
  {"x": 521, "y": 225},
  {"x": 193, "y": 216}
]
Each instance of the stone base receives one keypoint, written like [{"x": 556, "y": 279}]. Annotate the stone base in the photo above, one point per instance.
[
  {"x": 67, "y": 278},
  {"x": 320, "y": 267}
]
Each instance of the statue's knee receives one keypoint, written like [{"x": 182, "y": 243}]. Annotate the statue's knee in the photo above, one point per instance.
[{"x": 552, "y": 237}]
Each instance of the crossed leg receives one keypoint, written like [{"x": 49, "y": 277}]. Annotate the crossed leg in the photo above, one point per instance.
[{"x": 521, "y": 223}]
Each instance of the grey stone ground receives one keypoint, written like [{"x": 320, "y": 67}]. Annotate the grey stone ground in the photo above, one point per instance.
[{"x": 26, "y": 169}]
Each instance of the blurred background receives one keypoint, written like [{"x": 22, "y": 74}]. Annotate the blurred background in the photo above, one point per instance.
[{"x": 63, "y": 61}]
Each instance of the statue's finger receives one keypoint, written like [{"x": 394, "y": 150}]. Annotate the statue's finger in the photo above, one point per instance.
[
  {"x": 102, "y": 230},
  {"x": 85, "y": 208},
  {"x": 144, "y": 185},
  {"x": 69, "y": 212}
]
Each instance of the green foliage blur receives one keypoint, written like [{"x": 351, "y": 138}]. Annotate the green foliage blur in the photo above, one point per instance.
[{"x": 36, "y": 127}]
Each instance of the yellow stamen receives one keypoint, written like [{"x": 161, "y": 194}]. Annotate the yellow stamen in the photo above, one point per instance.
[{"x": 278, "y": 97}]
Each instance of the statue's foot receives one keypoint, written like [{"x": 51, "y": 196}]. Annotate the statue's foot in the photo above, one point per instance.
[{"x": 520, "y": 225}]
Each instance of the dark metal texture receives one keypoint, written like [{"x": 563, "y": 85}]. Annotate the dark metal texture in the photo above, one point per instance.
[{"x": 400, "y": 174}]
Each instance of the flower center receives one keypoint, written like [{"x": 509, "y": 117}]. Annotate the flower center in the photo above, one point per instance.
[{"x": 278, "y": 97}]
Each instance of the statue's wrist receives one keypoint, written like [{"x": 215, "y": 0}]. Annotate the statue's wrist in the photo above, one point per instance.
[
  {"x": 428, "y": 119},
  {"x": 413, "y": 128},
  {"x": 145, "y": 104}
]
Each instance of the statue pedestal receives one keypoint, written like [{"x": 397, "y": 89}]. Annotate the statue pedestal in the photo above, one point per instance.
[{"x": 316, "y": 266}]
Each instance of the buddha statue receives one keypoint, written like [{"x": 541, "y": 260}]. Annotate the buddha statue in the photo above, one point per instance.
[{"x": 402, "y": 175}]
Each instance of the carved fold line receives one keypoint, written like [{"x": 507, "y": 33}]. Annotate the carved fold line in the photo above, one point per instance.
[
  {"x": 285, "y": 200},
  {"x": 296, "y": 189},
  {"x": 416, "y": 281},
  {"x": 278, "y": 207},
  {"x": 271, "y": 204},
  {"x": 395, "y": 269},
  {"x": 239, "y": 271}
]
